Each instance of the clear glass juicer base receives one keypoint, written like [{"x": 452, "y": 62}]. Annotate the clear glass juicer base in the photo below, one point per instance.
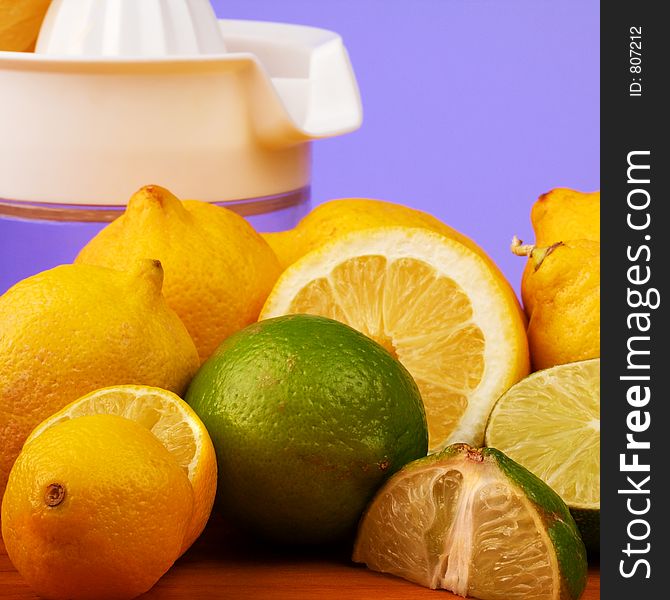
[{"x": 39, "y": 236}]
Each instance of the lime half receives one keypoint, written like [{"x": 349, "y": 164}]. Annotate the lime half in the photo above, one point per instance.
[
  {"x": 476, "y": 523},
  {"x": 550, "y": 423}
]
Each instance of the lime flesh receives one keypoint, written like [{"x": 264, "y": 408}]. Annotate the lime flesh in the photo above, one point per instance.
[{"x": 550, "y": 424}]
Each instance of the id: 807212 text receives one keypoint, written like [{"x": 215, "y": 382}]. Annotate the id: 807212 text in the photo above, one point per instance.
[{"x": 635, "y": 61}]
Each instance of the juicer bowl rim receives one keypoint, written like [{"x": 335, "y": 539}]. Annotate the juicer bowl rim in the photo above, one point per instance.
[
  {"x": 32, "y": 62},
  {"x": 19, "y": 60}
]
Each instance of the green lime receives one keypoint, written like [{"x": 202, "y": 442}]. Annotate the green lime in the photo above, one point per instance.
[
  {"x": 550, "y": 423},
  {"x": 476, "y": 523},
  {"x": 308, "y": 417}
]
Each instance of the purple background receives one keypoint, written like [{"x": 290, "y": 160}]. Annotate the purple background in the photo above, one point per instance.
[{"x": 473, "y": 108}]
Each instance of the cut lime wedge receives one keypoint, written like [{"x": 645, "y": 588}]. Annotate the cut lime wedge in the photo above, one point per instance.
[
  {"x": 476, "y": 523},
  {"x": 550, "y": 423}
]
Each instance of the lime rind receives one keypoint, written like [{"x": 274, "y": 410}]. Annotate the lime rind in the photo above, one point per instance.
[
  {"x": 588, "y": 523},
  {"x": 536, "y": 489},
  {"x": 561, "y": 526},
  {"x": 571, "y": 554}
]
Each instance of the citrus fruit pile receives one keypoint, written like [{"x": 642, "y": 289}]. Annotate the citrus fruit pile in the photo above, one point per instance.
[{"x": 319, "y": 367}]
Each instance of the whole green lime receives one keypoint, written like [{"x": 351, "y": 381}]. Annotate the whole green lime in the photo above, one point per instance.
[{"x": 308, "y": 417}]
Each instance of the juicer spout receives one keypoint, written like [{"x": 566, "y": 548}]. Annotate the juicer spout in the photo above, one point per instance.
[
  {"x": 303, "y": 86},
  {"x": 300, "y": 85}
]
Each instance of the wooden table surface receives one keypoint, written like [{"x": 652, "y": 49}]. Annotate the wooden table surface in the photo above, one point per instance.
[{"x": 224, "y": 565}]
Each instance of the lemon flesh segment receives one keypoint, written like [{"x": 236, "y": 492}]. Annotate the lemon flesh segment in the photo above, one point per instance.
[
  {"x": 461, "y": 526},
  {"x": 550, "y": 424},
  {"x": 154, "y": 409},
  {"x": 432, "y": 303}
]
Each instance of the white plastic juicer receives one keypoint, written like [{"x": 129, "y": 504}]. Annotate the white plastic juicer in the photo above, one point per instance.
[{"x": 123, "y": 93}]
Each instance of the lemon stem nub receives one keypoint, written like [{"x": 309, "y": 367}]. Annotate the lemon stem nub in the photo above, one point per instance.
[
  {"x": 537, "y": 254},
  {"x": 474, "y": 455},
  {"x": 521, "y": 249},
  {"x": 54, "y": 495},
  {"x": 150, "y": 272}
]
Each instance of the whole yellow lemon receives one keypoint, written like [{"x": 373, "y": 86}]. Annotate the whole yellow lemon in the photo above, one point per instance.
[
  {"x": 561, "y": 294},
  {"x": 218, "y": 270},
  {"x": 172, "y": 421},
  {"x": 20, "y": 22},
  {"x": 560, "y": 287},
  {"x": 76, "y": 328},
  {"x": 95, "y": 507},
  {"x": 336, "y": 218}
]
